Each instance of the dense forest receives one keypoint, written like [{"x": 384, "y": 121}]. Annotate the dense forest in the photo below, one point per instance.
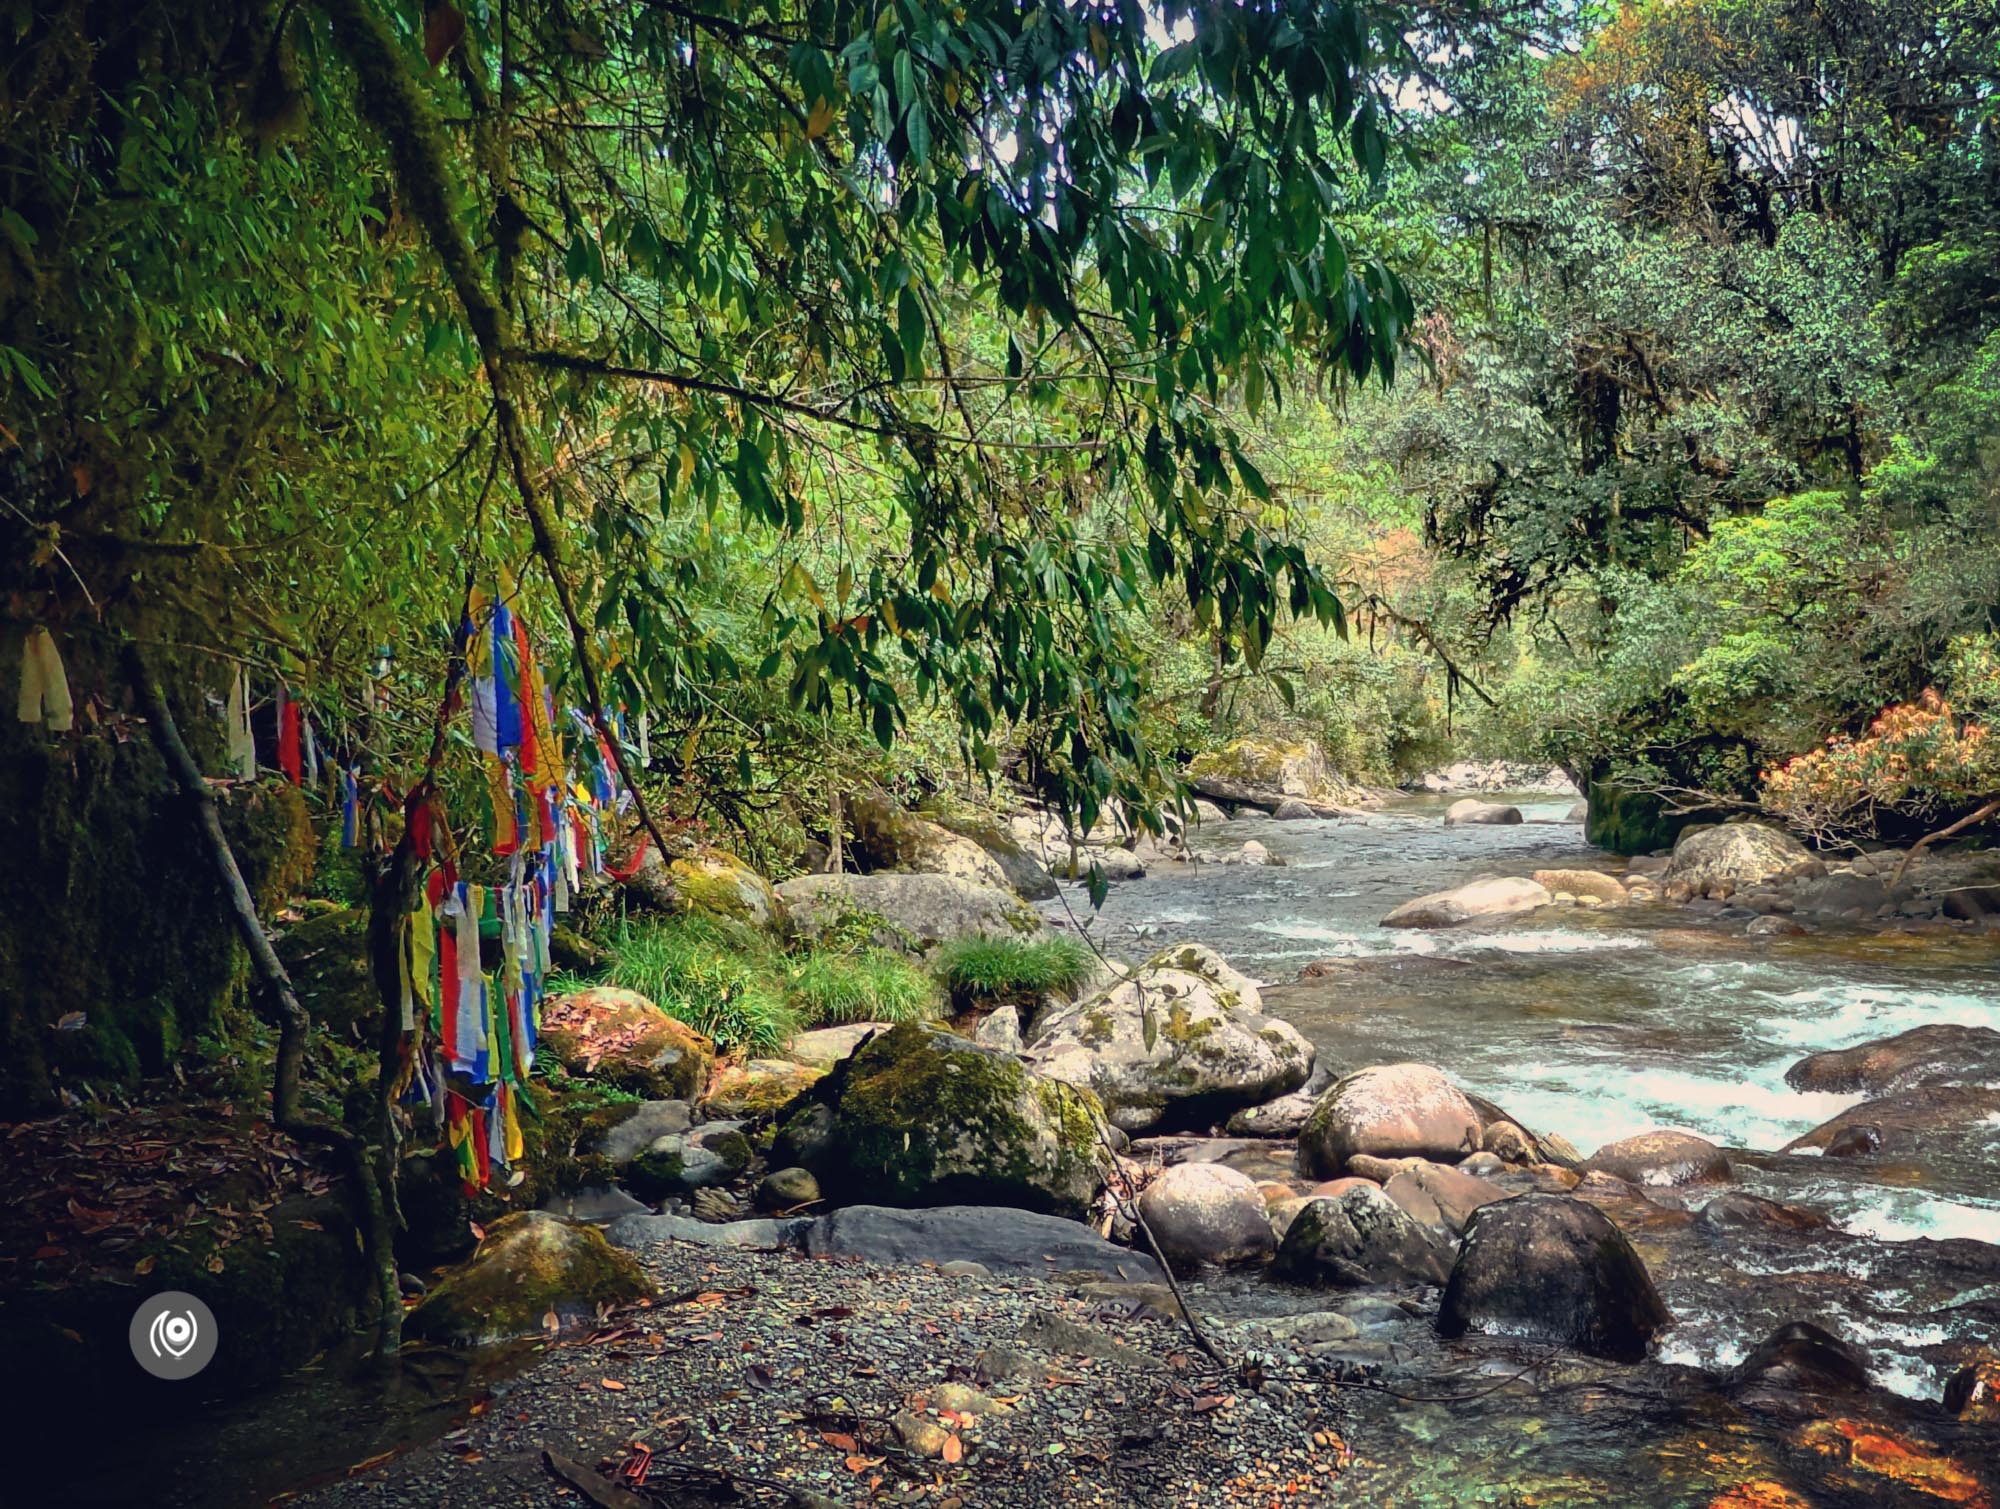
[{"x": 534, "y": 497}]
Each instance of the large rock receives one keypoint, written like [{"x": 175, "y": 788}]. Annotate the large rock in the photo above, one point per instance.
[
  {"x": 1293, "y": 810},
  {"x": 327, "y": 959},
  {"x": 1010, "y": 1244},
  {"x": 1501, "y": 897},
  {"x": 644, "y": 1125},
  {"x": 681, "y": 1163},
  {"x": 762, "y": 1233},
  {"x": 1661, "y": 1160},
  {"x": 1944, "y": 1120},
  {"x": 1388, "y": 1111},
  {"x": 824, "y": 1047},
  {"x": 886, "y": 838},
  {"x": 529, "y": 1265},
  {"x": 1546, "y": 1268},
  {"x": 1733, "y": 857},
  {"x": 1298, "y": 770},
  {"x": 1205, "y": 1213},
  {"x": 1025, "y": 872},
  {"x": 1182, "y": 1042},
  {"x": 623, "y": 1039},
  {"x": 1942, "y": 1053},
  {"x": 1360, "y": 1237},
  {"x": 715, "y": 883},
  {"x": 914, "y": 911},
  {"x": 1471, "y": 812},
  {"x": 919, "y": 1117}
]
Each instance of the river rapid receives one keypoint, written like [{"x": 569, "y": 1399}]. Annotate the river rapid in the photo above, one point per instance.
[{"x": 1599, "y": 1024}]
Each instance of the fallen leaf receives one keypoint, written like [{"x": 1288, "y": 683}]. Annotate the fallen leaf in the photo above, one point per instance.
[
  {"x": 758, "y": 1374},
  {"x": 145, "y": 1265},
  {"x": 862, "y": 1464},
  {"x": 954, "y": 1449},
  {"x": 478, "y": 1231},
  {"x": 611, "y": 1383},
  {"x": 304, "y": 1225},
  {"x": 840, "y": 1441}
]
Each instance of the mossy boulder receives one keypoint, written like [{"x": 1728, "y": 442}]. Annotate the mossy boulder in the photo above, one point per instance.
[
  {"x": 918, "y": 1116},
  {"x": 1719, "y": 861},
  {"x": 888, "y": 839},
  {"x": 913, "y": 912},
  {"x": 1285, "y": 769},
  {"x": 620, "y": 1038},
  {"x": 1182, "y": 1043},
  {"x": 681, "y": 1163},
  {"x": 715, "y": 883},
  {"x": 530, "y": 1265},
  {"x": 1633, "y": 822},
  {"x": 327, "y": 959}
]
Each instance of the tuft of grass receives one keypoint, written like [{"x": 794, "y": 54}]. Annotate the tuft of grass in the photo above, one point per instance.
[
  {"x": 873, "y": 985},
  {"x": 712, "y": 975},
  {"x": 983, "y": 970}
]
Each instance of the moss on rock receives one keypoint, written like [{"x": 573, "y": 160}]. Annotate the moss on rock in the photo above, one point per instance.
[
  {"x": 530, "y": 1265},
  {"x": 715, "y": 883},
  {"x": 622, "y": 1039},
  {"x": 327, "y": 959},
  {"x": 921, "y": 1117}
]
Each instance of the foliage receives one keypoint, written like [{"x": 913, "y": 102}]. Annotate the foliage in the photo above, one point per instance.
[
  {"x": 713, "y": 977},
  {"x": 872, "y": 985},
  {"x": 988, "y": 969},
  {"x": 1919, "y": 760}
]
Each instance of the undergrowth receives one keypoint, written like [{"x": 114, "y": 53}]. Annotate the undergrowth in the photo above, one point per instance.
[{"x": 989, "y": 969}]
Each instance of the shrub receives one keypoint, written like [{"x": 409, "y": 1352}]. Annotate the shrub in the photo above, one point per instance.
[
  {"x": 988, "y": 970},
  {"x": 714, "y": 976},
  {"x": 1919, "y": 760},
  {"x": 874, "y": 985}
]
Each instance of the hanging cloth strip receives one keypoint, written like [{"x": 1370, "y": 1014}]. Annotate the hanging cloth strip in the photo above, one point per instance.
[
  {"x": 242, "y": 742},
  {"x": 290, "y": 755},
  {"x": 44, "y": 684}
]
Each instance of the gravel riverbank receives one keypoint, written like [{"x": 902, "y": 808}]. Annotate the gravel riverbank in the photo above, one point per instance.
[{"x": 835, "y": 1382}]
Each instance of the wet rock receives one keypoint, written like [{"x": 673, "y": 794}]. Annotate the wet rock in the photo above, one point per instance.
[
  {"x": 1579, "y": 812},
  {"x": 1775, "y": 927},
  {"x": 1388, "y": 1111},
  {"x": 1442, "y": 1198},
  {"x": 1310, "y": 1333},
  {"x": 1284, "y": 1116},
  {"x": 1949, "y": 1120},
  {"x": 786, "y": 1188},
  {"x": 918, "y": 1116},
  {"x": 1206, "y": 811},
  {"x": 1507, "y": 1142},
  {"x": 528, "y": 1265},
  {"x": 1735, "y": 1209},
  {"x": 758, "y": 1087},
  {"x": 1254, "y": 853},
  {"x": 1182, "y": 1042},
  {"x": 1552, "y": 1269},
  {"x": 827, "y": 1046},
  {"x": 1008, "y": 1243},
  {"x": 1472, "y": 812},
  {"x": 1661, "y": 1160},
  {"x": 1803, "y": 1358},
  {"x": 1605, "y": 888},
  {"x": 1469, "y": 903},
  {"x": 1204, "y": 1213},
  {"x": 622, "y": 1039},
  {"x": 1358, "y": 1238},
  {"x": 918, "y": 1436},
  {"x": 761, "y": 1234},
  {"x": 917, "y": 911},
  {"x": 1719, "y": 861},
  {"x": 1292, "y": 810},
  {"x": 326, "y": 958},
  {"x": 1841, "y": 891},
  {"x": 1941, "y": 1053},
  {"x": 1107, "y": 861}
]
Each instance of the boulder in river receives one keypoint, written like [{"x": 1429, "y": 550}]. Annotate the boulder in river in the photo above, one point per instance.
[
  {"x": 528, "y": 1265},
  {"x": 1441, "y": 1197},
  {"x": 1272, "y": 769},
  {"x": 1183, "y": 1041},
  {"x": 1360, "y": 1237},
  {"x": 918, "y": 1116},
  {"x": 1471, "y": 812},
  {"x": 623, "y": 1039},
  {"x": 1292, "y": 810},
  {"x": 1940, "y": 1053},
  {"x": 1661, "y": 1160},
  {"x": 1500, "y": 897},
  {"x": 1006, "y": 1244},
  {"x": 1388, "y": 1111},
  {"x": 1284, "y": 1116},
  {"x": 1720, "y": 861},
  {"x": 1736, "y": 1210},
  {"x": 1206, "y": 1213},
  {"x": 1548, "y": 1268},
  {"x": 917, "y": 911},
  {"x": 1948, "y": 1120},
  {"x": 1801, "y": 1357}
]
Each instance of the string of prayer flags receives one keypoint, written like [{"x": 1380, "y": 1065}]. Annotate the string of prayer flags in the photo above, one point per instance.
[
  {"x": 350, "y": 807},
  {"x": 44, "y": 684}
]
